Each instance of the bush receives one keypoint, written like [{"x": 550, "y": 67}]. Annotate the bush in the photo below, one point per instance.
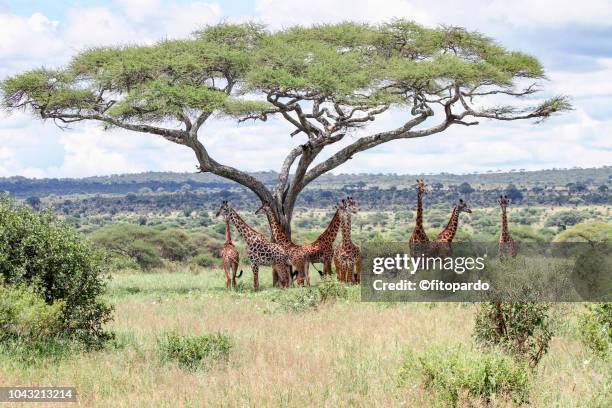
[
  {"x": 596, "y": 328},
  {"x": 455, "y": 373},
  {"x": 205, "y": 260},
  {"x": 295, "y": 300},
  {"x": 25, "y": 317},
  {"x": 148, "y": 245},
  {"x": 194, "y": 352},
  {"x": 590, "y": 231},
  {"x": 564, "y": 219},
  {"x": 331, "y": 289},
  {"x": 519, "y": 328},
  {"x": 301, "y": 299},
  {"x": 48, "y": 256}
]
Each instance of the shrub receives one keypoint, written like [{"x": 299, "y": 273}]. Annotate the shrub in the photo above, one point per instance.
[
  {"x": 25, "y": 317},
  {"x": 564, "y": 219},
  {"x": 520, "y": 328},
  {"x": 596, "y": 328},
  {"x": 455, "y": 373},
  {"x": 129, "y": 240},
  {"x": 194, "y": 352},
  {"x": 48, "y": 256},
  {"x": 330, "y": 289},
  {"x": 205, "y": 260},
  {"x": 173, "y": 244},
  {"x": 295, "y": 300},
  {"x": 590, "y": 231}
]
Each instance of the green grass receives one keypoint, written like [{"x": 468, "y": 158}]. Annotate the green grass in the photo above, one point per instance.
[{"x": 340, "y": 353}]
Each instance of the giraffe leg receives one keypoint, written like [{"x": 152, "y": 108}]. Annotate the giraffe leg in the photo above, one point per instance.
[
  {"x": 327, "y": 267},
  {"x": 234, "y": 270},
  {"x": 287, "y": 272},
  {"x": 306, "y": 273},
  {"x": 350, "y": 272},
  {"x": 255, "y": 269},
  {"x": 358, "y": 269},
  {"x": 300, "y": 272},
  {"x": 226, "y": 268},
  {"x": 338, "y": 269},
  {"x": 274, "y": 276}
]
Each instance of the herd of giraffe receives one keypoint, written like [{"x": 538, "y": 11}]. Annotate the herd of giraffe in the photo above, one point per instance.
[{"x": 283, "y": 254}]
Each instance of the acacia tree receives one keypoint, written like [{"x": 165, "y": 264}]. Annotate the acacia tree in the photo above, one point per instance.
[{"x": 326, "y": 81}]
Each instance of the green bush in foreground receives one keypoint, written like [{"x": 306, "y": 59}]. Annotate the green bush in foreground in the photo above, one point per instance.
[
  {"x": 301, "y": 299},
  {"x": 194, "y": 352},
  {"x": 49, "y": 258},
  {"x": 456, "y": 374},
  {"x": 25, "y": 317},
  {"x": 596, "y": 328},
  {"x": 520, "y": 328}
]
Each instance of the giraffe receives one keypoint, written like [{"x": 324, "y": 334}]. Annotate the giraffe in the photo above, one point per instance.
[
  {"x": 419, "y": 238},
  {"x": 448, "y": 234},
  {"x": 347, "y": 255},
  {"x": 445, "y": 238},
  {"x": 230, "y": 257},
  {"x": 260, "y": 250},
  {"x": 507, "y": 246},
  {"x": 322, "y": 249},
  {"x": 295, "y": 252}
]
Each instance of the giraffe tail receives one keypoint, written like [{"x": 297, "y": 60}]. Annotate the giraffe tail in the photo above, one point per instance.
[
  {"x": 320, "y": 272},
  {"x": 240, "y": 274}
]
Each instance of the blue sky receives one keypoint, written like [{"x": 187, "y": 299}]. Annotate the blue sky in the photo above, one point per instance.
[{"x": 573, "y": 40}]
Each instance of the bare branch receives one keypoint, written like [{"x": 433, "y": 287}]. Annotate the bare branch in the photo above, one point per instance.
[{"x": 173, "y": 135}]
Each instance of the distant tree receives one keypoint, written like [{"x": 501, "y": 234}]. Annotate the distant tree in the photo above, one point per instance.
[
  {"x": 34, "y": 202},
  {"x": 577, "y": 187},
  {"x": 564, "y": 219},
  {"x": 465, "y": 188},
  {"x": 325, "y": 81},
  {"x": 603, "y": 189},
  {"x": 513, "y": 193}
]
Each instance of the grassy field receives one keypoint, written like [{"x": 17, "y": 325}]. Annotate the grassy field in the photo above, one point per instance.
[{"x": 341, "y": 353}]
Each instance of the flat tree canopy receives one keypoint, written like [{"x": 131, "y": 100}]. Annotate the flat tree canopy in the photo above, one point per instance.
[{"x": 326, "y": 81}]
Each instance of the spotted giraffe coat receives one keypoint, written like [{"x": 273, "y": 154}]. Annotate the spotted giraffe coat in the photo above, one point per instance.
[{"x": 260, "y": 250}]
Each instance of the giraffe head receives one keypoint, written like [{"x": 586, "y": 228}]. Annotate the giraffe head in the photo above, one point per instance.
[
  {"x": 350, "y": 203},
  {"x": 463, "y": 207},
  {"x": 224, "y": 209},
  {"x": 265, "y": 207},
  {"x": 503, "y": 201},
  {"x": 422, "y": 187}
]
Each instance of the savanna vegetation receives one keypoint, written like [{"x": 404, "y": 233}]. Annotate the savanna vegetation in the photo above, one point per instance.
[
  {"x": 164, "y": 330},
  {"x": 176, "y": 329}
]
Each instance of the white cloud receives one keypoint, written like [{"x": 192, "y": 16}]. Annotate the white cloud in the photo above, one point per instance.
[
  {"x": 27, "y": 42},
  {"x": 589, "y": 84},
  {"x": 519, "y": 13}
]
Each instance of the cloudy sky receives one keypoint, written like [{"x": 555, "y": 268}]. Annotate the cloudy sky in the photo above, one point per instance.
[{"x": 572, "y": 39}]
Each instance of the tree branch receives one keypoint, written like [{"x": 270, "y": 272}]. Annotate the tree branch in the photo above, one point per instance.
[
  {"x": 208, "y": 164},
  {"x": 173, "y": 135}
]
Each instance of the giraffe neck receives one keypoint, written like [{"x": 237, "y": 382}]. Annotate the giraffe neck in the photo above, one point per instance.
[
  {"x": 228, "y": 235},
  {"x": 451, "y": 228},
  {"x": 332, "y": 229},
  {"x": 278, "y": 233},
  {"x": 505, "y": 234},
  {"x": 243, "y": 228},
  {"x": 419, "y": 214},
  {"x": 346, "y": 229}
]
